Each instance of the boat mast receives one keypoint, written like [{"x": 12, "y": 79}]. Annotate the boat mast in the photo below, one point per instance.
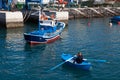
[
  {"x": 39, "y": 16},
  {"x": 40, "y": 13}
]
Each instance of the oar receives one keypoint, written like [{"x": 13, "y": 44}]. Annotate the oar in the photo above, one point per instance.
[
  {"x": 60, "y": 64},
  {"x": 96, "y": 60}
]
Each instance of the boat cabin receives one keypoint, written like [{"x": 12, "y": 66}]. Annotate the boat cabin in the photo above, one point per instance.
[{"x": 48, "y": 25}]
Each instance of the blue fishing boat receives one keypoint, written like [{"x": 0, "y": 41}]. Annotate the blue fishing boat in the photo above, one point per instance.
[
  {"x": 49, "y": 31},
  {"x": 84, "y": 65},
  {"x": 115, "y": 19}
]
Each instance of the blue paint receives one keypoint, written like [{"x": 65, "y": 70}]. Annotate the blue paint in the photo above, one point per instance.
[
  {"x": 38, "y": 1},
  {"x": 85, "y": 65},
  {"x": 46, "y": 33},
  {"x": 115, "y": 19},
  {"x": 9, "y": 5},
  {"x": 35, "y": 1},
  {"x": 0, "y": 4},
  {"x": 4, "y": 4}
]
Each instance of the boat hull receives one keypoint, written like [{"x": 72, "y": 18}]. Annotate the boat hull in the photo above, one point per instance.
[
  {"x": 33, "y": 39},
  {"x": 115, "y": 19},
  {"x": 44, "y": 36},
  {"x": 84, "y": 65}
]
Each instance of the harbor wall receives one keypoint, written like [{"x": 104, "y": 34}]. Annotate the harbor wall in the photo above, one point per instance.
[
  {"x": 74, "y": 13},
  {"x": 60, "y": 16},
  {"x": 91, "y": 12},
  {"x": 63, "y": 15},
  {"x": 11, "y": 19}
]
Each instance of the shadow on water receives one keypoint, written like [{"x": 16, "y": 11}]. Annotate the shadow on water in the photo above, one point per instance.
[
  {"x": 3, "y": 32},
  {"x": 40, "y": 47},
  {"x": 76, "y": 72}
]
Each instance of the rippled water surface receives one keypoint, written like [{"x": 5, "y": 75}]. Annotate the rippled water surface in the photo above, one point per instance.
[{"x": 96, "y": 40}]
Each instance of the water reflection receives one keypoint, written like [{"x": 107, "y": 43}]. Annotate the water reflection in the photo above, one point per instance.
[
  {"x": 3, "y": 33},
  {"x": 77, "y": 73},
  {"x": 34, "y": 48}
]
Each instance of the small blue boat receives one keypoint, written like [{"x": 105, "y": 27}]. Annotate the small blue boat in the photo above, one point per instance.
[
  {"x": 48, "y": 31},
  {"x": 84, "y": 65},
  {"x": 115, "y": 19}
]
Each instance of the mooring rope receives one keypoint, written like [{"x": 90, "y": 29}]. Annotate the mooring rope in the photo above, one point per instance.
[{"x": 26, "y": 17}]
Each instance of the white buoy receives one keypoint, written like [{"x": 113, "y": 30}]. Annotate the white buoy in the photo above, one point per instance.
[{"x": 110, "y": 24}]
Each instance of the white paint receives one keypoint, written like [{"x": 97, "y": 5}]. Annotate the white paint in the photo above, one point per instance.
[
  {"x": 18, "y": 1},
  {"x": 22, "y": 1},
  {"x": 14, "y": 17},
  {"x": 45, "y": 1},
  {"x": 62, "y": 15}
]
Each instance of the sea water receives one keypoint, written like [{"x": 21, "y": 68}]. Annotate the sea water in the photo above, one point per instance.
[{"x": 93, "y": 37}]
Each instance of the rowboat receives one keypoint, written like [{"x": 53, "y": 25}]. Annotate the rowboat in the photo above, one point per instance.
[{"x": 85, "y": 65}]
